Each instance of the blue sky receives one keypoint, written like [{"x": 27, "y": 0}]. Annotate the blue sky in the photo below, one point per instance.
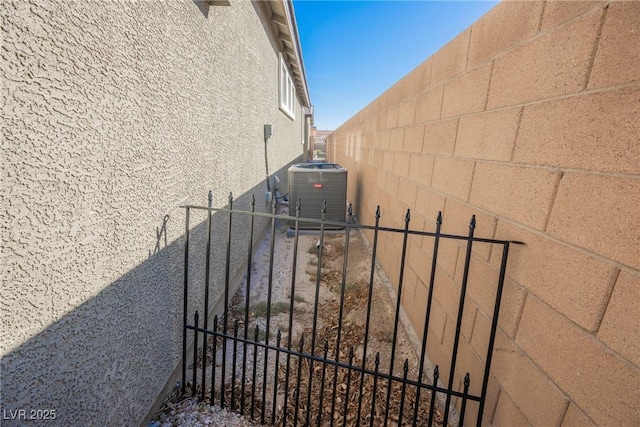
[{"x": 355, "y": 50}]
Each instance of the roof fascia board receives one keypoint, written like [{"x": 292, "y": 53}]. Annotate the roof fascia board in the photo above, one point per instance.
[
  {"x": 293, "y": 31},
  {"x": 279, "y": 20}
]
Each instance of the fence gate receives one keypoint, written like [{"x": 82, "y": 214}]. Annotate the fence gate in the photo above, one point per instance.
[{"x": 330, "y": 372}]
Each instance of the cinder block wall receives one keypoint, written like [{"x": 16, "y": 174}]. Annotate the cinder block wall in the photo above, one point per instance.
[{"x": 528, "y": 119}]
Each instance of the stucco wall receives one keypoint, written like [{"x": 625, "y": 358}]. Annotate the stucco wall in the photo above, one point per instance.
[
  {"x": 114, "y": 114},
  {"x": 530, "y": 120}
]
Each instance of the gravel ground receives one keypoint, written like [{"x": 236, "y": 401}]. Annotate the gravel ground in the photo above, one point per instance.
[{"x": 190, "y": 412}]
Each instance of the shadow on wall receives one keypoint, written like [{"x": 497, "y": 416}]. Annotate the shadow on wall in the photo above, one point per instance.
[
  {"x": 357, "y": 203},
  {"x": 203, "y": 6},
  {"x": 107, "y": 360}
]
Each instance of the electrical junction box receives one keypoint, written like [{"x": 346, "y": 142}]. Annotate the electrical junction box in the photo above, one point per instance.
[{"x": 314, "y": 183}]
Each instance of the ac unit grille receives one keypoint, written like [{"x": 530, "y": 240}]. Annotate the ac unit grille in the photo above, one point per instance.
[{"x": 314, "y": 184}]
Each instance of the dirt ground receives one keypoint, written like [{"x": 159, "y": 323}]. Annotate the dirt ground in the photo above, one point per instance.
[
  {"x": 317, "y": 315},
  {"x": 324, "y": 300}
]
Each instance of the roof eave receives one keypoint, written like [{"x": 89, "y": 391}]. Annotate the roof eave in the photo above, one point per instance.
[{"x": 283, "y": 20}]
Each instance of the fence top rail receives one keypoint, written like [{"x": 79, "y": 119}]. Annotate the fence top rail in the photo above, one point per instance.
[{"x": 353, "y": 225}]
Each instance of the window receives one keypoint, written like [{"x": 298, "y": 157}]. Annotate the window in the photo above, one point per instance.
[{"x": 287, "y": 90}]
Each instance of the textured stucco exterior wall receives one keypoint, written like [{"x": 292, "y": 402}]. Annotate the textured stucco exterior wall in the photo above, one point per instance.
[
  {"x": 114, "y": 114},
  {"x": 528, "y": 119}
]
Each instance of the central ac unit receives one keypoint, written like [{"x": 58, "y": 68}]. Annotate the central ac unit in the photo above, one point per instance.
[{"x": 313, "y": 184}]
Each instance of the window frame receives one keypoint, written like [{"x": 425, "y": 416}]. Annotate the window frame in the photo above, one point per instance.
[{"x": 286, "y": 90}]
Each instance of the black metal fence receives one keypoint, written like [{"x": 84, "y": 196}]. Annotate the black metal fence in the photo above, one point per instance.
[{"x": 316, "y": 381}]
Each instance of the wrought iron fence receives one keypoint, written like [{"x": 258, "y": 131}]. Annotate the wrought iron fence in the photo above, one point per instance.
[{"x": 282, "y": 381}]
